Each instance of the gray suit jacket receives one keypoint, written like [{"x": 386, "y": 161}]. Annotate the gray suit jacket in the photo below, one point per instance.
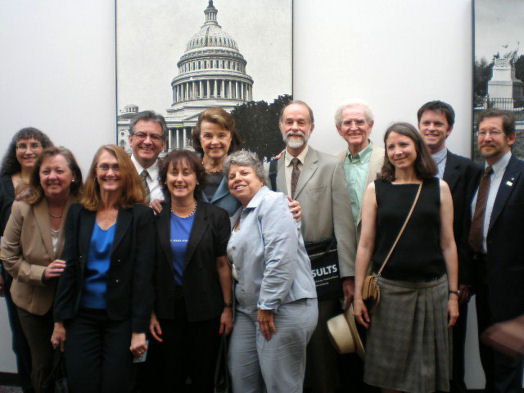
[
  {"x": 326, "y": 208},
  {"x": 375, "y": 165}
]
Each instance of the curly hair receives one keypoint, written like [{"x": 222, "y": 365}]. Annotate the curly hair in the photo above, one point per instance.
[
  {"x": 10, "y": 164},
  {"x": 425, "y": 167},
  {"x": 133, "y": 190}
]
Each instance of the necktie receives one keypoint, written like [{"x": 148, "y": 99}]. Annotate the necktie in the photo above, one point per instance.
[
  {"x": 477, "y": 224},
  {"x": 144, "y": 176},
  {"x": 294, "y": 176}
]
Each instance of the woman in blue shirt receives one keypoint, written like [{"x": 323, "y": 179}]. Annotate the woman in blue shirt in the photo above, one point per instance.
[
  {"x": 276, "y": 311},
  {"x": 193, "y": 296},
  {"x": 105, "y": 294}
]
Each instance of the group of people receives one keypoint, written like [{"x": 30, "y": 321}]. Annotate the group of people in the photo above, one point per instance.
[{"x": 160, "y": 259}]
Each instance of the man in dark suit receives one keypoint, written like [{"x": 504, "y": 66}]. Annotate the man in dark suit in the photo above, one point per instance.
[
  {"x": 435, "y": 123},
  {"x": 496, "y": 236}
]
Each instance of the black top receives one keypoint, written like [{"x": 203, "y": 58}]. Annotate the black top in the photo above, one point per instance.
[
  {"x": 417, "y": 256},
  {"x": 213, "y": 181},
  {"x": 7, "y": 196}
]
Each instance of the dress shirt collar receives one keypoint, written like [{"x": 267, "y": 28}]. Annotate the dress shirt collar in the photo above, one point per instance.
[
  {"x": 362, "y": 156},
  {"x": 152, "y": 170},
  {"x": 439, "y": 156},
  {"x": 257, "y": 198},
  {"x": 500, "y": 165},
  {"x": 301, "y": 157}
]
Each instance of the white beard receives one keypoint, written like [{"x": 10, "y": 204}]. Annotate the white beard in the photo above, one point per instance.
[{"x": 295, "y": 142}]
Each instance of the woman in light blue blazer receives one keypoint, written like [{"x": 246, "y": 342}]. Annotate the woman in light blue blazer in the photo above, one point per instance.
[{"x": 276, "y": 305}]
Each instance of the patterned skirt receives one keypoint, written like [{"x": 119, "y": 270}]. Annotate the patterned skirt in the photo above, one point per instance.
[{"x": 408, "y": 342}]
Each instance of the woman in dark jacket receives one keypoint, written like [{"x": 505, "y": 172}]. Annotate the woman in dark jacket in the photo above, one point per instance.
[
  {"x": 104, "y": 296},
  {"x": 192, "y": 279}
]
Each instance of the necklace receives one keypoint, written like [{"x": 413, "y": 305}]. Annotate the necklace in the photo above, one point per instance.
[
  {"x": 190, "y": 214},
  {"x": 54, "y": 216}
]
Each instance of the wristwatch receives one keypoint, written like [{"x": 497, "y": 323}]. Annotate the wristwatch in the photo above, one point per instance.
[
  {"x": 228, "y": 304},
  {"x": 457, "y": 292}
]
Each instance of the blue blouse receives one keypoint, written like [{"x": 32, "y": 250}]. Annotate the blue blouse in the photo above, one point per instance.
[
  {"x": 97, "y": 266},
  {"x": 179, "y": 238}
]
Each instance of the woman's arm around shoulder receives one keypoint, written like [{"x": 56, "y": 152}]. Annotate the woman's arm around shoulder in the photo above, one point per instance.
[{"x": 449, "y": 249}]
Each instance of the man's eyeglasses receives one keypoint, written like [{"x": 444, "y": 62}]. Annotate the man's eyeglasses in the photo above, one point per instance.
[
  {"x": 142, "y": 135},
  {"x": 492, "y": 133}
]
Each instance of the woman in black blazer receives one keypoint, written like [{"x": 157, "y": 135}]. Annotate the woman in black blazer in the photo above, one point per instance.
[
  {"x": 192, "y": 279},
  {"x": 105, "y": 294}
]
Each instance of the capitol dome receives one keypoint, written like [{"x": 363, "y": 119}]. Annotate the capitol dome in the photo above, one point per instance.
[{"x": 212, "y": 71}]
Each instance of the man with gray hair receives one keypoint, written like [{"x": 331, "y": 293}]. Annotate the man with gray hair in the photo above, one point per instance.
[
  {"x": 316, "y": 180},
  {"x": 147, "y": 137},
  {"x": 362, "y": 159}
]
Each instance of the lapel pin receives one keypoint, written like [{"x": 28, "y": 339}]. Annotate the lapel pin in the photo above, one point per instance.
[{"x": 509, "y": 183}]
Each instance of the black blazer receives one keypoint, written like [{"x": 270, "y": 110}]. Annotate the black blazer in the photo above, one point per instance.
[
  {"x": 201, "y": 287},
  {"x": 7, "y": 196},
  {"x": 462, "y": 176},
  {"x": 505, "y": 246},
  {"x": 129, "y": 279}
]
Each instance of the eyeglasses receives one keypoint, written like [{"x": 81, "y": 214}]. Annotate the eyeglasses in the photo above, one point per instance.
[
  {"x": 492, "y": 133},
  {"x": 142, "y": 135},
  {"x": 25, "y": 146},
  {"x": 106, "y": 167}
]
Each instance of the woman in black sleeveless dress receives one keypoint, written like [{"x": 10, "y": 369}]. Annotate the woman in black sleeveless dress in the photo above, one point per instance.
[{"x": 408, "y": 347}]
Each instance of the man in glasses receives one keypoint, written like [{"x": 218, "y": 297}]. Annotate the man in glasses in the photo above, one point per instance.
[{"x": 147, "y": 137}]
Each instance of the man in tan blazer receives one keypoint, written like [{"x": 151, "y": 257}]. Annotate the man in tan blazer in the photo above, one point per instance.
[
  {"x": 362, "y": 161},
  {"x": 326, "y": 212}
]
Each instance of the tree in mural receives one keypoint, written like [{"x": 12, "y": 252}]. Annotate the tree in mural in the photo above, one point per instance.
[{"x": 257, "y": 123}]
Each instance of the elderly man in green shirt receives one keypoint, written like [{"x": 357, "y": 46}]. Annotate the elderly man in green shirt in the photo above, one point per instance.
[{"x": 362, "y": 159}]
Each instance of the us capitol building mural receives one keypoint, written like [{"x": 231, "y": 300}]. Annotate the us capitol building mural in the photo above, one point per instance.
[{"x": 211, "y": 72}]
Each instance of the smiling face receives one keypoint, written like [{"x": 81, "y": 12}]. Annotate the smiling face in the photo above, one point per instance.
[
  {"x": 108, "y": 173},
  {"x": 434, "y": 129},
  {"x": 355, "y": 128},
  {"x": 493, "y": 143},
  {"x": 27, "y": 151},
  {"x": 55, "y": 177},
  {"x": 147, "y": 142},
  {"x": 243, "y": 183},
  {"x": 296, "y": 127},
  {"x": 215, "y": 140},
  {"x": 181, "y": 180},
  {"x": 401, "y": 150}
]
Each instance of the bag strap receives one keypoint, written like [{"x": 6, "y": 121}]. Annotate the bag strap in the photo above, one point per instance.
[
  {"x": 273, "y": 174},
  {"x": 401, "y": 229}
]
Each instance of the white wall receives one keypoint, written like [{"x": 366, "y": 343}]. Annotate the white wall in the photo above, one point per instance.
[{"x": 57, "y": 73}]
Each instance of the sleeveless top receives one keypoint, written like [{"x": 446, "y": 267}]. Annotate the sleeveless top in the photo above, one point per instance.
[{"x": 417, "y": 256}]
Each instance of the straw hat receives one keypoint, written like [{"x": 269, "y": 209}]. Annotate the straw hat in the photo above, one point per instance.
[{"x": 344, "y": 334}]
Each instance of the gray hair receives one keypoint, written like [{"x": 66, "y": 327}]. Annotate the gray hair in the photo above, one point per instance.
[
  {"x": 245, "y": 158},
  {"x": 149, "y": 116},
  {"x": 297, "y": 102},
  {"x": 351, "y": 103}
]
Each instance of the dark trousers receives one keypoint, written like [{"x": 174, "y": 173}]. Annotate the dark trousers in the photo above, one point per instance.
[
  {"x": 20, "y": 345},
  {"x": 189, "y": 350},
  {"x": 37, "y": 330},
  {"x": 457, "y": 384},
  {"x": 503, "y": 373},
  {"x": 97, "y": 353}
]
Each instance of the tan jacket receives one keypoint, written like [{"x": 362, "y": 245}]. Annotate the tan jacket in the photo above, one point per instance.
[
  {"x": 375, "y": 165},
  {"x": 26, "y": 250}
]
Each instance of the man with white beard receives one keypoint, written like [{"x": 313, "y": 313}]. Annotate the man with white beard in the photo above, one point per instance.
[{"x": 317, "y": 181}]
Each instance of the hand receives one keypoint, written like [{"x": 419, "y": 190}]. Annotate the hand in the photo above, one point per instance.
[
  {"x": 348, "y": 288},
  {"x": 138, "y": 344},
  {"x": 156, "y": 205},
  {"x": 453, "y": 310},
  {"x": 266, "y": 322},
  {"x": 295, "y": 209},
  {"x": 226, "y": 321},
  {"x": 360, "y": 312},
  {"x": 464, "y": 293},
  {"x": 59, "y": 336},
  {"x": 279, "y": 155},
  {"x": 154, "y": 328},
  {"x": 54, "y": 269}
]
